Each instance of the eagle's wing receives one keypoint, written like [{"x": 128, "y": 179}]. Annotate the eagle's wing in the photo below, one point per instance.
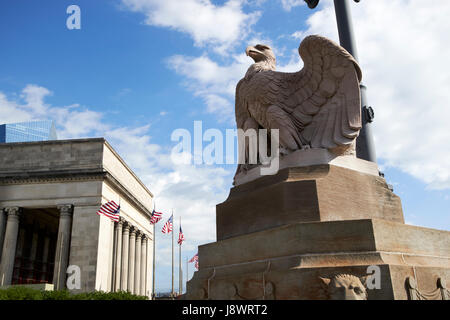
[
  {"x": 255, "y": 95},
  {"x": 323, "y": 99}
]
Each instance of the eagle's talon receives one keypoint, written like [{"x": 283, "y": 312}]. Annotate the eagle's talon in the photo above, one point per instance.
[
  {"x": 306, "y": 147},
  {"x": 284, "y": 151}
]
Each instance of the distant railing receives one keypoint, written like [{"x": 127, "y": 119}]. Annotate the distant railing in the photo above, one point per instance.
[{"x": 166, "y": 295}]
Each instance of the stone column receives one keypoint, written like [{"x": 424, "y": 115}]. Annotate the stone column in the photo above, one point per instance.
[
  {"x": 118, "y": 261},
  {"x": 9, "y": 245},
  {"x": 114, "y": 255},
  {"x": 62, "y": 246},
  {"x": 132, "y": 260},
  {"x": 45, "y": 255},
  {"x": 2, "y": 230},
  {"x": 33, "y": 251},
  {"x": 137, "y": 270},
  {"x": 125, "y": 249},
  {"x": 143, "y": 291}
]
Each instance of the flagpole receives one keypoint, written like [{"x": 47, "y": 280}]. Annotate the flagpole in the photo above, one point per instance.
[
  {"x": 180, "y": 275},
  {"x": 154, "y": 255},
  {"x": 187, "y": 271},
  {"x": 172, "y": 256}
]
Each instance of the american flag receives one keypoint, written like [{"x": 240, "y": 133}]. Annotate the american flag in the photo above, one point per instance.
[
  {"x": 195, "y": 258},
  {"x": 168, "y": 226},
  {"x": 110, "y": 210},
  {"x": 180, "y": 237},
  {"x": 156, "y": 216}
]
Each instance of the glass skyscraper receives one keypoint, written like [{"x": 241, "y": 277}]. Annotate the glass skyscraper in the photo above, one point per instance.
[{"x": 28, "y": 131}]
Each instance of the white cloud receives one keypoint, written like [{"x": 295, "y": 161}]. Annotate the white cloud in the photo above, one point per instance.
[
  {"x": 10, "y": 111},
  {"x": 219, "y": 27},
  {"x": 216, "y": 83},
  {"x": 403, "y": 50},
  {"x": 219, "y": 106},
  {"x": 73, "y": 121},
  {"x": 204, "y": 21},
  {"x": 289, "y": 4},
  {"x": 34, "y": 97},
  {"x": 213, "y": 82},
  {"x": 208, "y": 74}
]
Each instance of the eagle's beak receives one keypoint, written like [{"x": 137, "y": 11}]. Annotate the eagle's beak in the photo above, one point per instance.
[
  {"x": 251, "y": 49},
  {"x": 254, "y": 53}
]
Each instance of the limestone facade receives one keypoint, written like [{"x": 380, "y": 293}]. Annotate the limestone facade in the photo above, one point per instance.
[{"x": 50, "y": 193}]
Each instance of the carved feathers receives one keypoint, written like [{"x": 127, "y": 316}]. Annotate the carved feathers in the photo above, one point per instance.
[{"x": 321, "y": 101}]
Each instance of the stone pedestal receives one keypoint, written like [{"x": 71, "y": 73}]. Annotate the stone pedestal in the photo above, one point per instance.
[
  {"x": 305, "y": 194},
  {"x": 295, "y": 235}
]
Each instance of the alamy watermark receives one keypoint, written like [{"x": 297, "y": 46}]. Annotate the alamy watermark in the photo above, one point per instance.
[
  {"x": 373, "y": 280},
  {"x": 73, "y": 277},
  {"x": 213, "y": 147},
  {"x": 74, "y": 20}
]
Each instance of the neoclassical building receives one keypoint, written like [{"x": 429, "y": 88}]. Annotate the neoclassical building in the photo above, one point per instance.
[{"x": 50, "y": 193}]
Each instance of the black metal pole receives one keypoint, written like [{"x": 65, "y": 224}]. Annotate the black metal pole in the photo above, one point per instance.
[{"x": 365, "y": 147}]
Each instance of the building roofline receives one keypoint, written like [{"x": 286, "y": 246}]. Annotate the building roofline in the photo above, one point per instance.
[
  {"x": 5, "y": 144},
  {"x": 101, "y": 139}
]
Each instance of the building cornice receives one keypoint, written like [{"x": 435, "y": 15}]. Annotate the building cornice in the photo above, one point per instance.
[
  {"x": 103, "y": 141},
  {"x": 50, "y": 176},
  {"x": 37, "y": 177},
  {"x": 128, "y": 195}
]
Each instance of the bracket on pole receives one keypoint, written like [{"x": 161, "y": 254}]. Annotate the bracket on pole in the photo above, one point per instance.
[{"x": 313, "y": 3}]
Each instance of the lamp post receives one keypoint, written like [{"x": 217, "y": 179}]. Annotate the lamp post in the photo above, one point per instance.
[{"x": 365, "y": 147}]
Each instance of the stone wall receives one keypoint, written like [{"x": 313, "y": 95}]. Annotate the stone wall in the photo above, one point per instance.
[
  {"x": 66, "y": 155},
  {"x": 83, "y": 174}
]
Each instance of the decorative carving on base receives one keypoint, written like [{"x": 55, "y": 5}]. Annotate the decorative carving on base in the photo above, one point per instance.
[
  {"x": 345, "y": 287},
  {"x": 267, "y": 294},
  {"x": 440, "y": 293}
]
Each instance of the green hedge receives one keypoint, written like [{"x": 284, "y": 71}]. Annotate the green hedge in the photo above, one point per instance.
[{"x": 24, "y": 293}]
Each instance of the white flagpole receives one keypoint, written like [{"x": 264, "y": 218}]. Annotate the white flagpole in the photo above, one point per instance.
[
  {"x": 173, "y": 292},
  {"x": 180, "y": 273},
  {"x": 187, "y": 272},
  {"x": 154, "y": 255}
]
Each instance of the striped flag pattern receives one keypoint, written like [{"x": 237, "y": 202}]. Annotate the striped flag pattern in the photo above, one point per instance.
[
  {"x": 180, "y": 237},
  {"x": 168, "y": 226},
  {"x": 195, "y": 259},
  {"x": 111, "y": 210},
  {"x": 156, "y": 216}
]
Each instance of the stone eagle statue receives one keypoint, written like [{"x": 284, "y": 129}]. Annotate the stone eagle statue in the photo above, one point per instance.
[{"x": 316, "y": 107}]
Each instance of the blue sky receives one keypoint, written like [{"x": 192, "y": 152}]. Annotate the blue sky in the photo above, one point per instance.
[{"x": 139, "y": 69}]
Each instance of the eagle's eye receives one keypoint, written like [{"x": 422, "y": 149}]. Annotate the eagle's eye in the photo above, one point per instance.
[
  {"x": 262, "y": 47},
  {"x": 358, "y": 290}
]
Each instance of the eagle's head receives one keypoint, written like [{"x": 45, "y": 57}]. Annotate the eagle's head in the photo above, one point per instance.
[{"x": 262, "y": 54}]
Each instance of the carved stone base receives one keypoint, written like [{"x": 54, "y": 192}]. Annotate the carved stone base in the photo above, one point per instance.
[
  {"x": 304, "y": 260},
  {"x": 310, "y": 157},
  {"x": 324, "y": 192}
]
